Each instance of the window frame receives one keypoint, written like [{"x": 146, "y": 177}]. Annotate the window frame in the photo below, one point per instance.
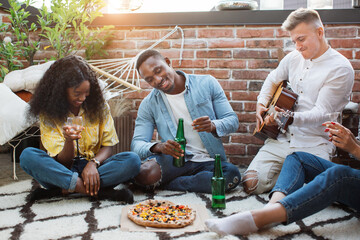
[{"x": 231, "y": 17}]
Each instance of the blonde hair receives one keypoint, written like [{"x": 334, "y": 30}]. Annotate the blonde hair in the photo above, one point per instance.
[{"x": 302, "y": 15}]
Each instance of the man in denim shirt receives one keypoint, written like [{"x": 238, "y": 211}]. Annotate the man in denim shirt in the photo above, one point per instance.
[{"x": 207, "y": 114}]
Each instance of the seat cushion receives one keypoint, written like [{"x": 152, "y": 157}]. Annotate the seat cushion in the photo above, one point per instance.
[{"x": 13, "y": 114}]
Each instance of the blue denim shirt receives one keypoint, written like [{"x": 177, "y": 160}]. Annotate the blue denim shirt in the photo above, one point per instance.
[{"x": 203, "y": 97}]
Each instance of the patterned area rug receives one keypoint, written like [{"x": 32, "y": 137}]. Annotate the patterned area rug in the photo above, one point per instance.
[{"x": 75, "y": 217}]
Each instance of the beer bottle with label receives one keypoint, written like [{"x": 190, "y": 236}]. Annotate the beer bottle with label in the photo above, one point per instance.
[
  {"x": 218, "y": 185},
  {"x": 180, "y": 138}
]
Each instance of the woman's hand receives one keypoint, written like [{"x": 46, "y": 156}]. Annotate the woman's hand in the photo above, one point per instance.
[
  {"x": 67, "y": 153},
  {"x": 91, "y": 178},
  {"x": 342, "y": 137},
  {"x": 71, "y": 134}
]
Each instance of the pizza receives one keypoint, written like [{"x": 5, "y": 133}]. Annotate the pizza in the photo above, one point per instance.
[{"x": 161, "y": 214}]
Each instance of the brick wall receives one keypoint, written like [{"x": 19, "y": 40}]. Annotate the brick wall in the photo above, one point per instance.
[
  {"x": 240, "y": 57},
  {"x": 3, "y": 17}
]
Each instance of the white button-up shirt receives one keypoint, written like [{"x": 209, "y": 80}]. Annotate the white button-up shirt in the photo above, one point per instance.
[{"x": 324, "y": 85}]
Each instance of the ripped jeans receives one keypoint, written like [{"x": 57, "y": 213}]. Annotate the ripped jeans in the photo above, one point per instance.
[
  {"x": 266, "y": 166},
  {"x": 194, "y": 176}
]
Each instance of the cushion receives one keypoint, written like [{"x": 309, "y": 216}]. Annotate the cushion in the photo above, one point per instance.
[
  {"x": 13, "y": 112},
  {"x": 26, "y": 79},
  {"x": 24, "y": 95}
]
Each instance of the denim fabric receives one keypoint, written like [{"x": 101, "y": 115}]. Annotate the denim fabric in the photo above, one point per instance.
[
  {"x": 194, "y": 176},
  {"x": 203, "y": 97},
  {"x": 326, "y": 183},
  {"x": 50, "y": 173},
  {"x": 270, "y": 158}
]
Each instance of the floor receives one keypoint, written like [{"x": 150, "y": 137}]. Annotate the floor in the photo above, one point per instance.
[{"x": 6, "y": 173}]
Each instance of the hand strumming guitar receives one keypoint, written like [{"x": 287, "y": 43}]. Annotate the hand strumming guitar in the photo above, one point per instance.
[
  {"x": 276, "y": 117},
  {"x": 260, "y": 111}
]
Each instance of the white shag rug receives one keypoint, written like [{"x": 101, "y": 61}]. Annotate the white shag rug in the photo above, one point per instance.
[{"x": 75, "y": 217}]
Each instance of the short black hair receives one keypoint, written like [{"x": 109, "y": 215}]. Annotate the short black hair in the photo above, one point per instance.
[{"x": 145, "y": 55}]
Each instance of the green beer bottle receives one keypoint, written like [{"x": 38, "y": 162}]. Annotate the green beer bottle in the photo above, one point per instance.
[
  {"x": 180, "y": 138},
  {"x": 218, "y": 185}
]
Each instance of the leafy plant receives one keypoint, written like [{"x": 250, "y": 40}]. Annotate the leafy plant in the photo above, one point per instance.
[
  {"x": 10, "y": 54},
  {"x": 27, "y": 39},
  {"x": 96, "y": 41},
  {"x": 64, "y": 27},
  {"x": 70, "y": 32}
]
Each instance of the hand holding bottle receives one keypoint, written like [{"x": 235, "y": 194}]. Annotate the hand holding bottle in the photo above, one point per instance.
[{"x": 170, "y": 147}]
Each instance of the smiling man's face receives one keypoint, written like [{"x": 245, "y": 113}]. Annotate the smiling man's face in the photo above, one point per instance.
[{"x": 158, "y": 73}]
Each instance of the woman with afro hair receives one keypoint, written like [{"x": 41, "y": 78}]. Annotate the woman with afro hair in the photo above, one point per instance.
[{"x": 70, "y": 88}]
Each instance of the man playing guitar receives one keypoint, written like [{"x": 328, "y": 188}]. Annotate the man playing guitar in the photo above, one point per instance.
[{"x": 322, "y": 78}]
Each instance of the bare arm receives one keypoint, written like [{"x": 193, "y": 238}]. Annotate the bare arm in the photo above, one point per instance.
[{"x": 90, "y": 174}]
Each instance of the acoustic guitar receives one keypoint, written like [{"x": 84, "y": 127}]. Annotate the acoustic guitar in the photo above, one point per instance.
[{"x": 284, "y": 99}]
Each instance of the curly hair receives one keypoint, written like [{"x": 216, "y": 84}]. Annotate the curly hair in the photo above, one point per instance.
[{"x": 50, "y": 97}]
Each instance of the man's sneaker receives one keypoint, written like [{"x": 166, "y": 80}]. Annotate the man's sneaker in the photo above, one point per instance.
[
  {"x": 122, "y": 195},
  {"x": 42, "y": 193}
]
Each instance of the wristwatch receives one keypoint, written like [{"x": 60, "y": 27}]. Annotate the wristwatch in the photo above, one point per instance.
[{"x": 95, "y": 161}]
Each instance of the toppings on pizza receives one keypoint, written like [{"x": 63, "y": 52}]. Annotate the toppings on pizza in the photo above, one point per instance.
[{"x": 162, "y": 214}]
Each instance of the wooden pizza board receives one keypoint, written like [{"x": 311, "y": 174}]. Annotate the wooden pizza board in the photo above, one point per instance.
[{"x": 198, "y": 225}]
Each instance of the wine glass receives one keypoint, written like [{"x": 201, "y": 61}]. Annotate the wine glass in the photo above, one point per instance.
[
  {"x": 333, "y": 117},
  {"x": 76, "y": 124}
]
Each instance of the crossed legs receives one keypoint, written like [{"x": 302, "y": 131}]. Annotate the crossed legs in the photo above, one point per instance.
[
  {"x": 52, "y": 174},
  {"x": 192, "y": 177}
]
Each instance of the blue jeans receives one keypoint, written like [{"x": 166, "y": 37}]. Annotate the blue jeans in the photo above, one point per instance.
[
  {"x": 51, "y": 174},
  {"x": 327, "y": 183},
  {"x": 194, "y": 176}
]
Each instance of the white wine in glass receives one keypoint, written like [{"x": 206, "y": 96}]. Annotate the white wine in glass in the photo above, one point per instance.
[
  {"x": 76, "y": 124},
  {"x": 333, "y": 117}
]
